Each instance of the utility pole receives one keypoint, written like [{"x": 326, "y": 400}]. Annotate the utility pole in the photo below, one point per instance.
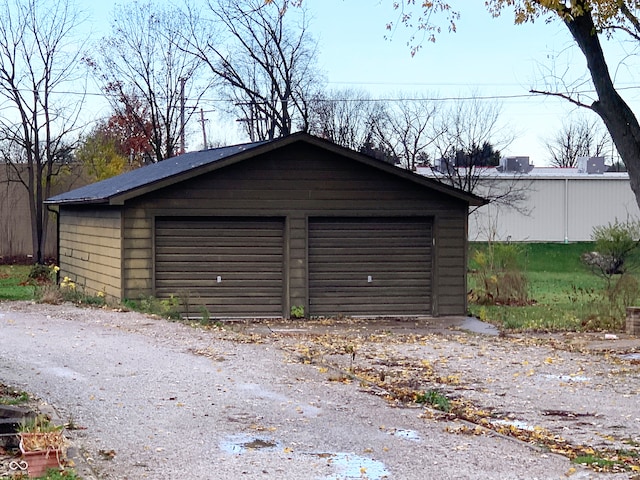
[
  {"x": 182, "y": 108},
  {"x": 251, "y": 120},
  {"x": 204, "y": 130}
]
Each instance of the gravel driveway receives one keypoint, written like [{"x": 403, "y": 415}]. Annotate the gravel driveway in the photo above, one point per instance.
[{"x": 162, "y": 400}]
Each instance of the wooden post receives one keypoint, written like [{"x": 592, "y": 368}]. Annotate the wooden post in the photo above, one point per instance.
[{"x": 633, "y": 321}]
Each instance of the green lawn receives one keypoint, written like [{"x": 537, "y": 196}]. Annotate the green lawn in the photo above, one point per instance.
[
  {"x": 564, "y": 293},
  {"x": 12, "y": 279}
]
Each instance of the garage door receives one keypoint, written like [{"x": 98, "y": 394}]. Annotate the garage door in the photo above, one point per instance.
[
  {"x": 234, "y": 266},
  {"x": 370, "y": 266}
]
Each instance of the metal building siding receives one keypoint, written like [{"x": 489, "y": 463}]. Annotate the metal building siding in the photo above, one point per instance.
[
  {"x": 232, "y": 266},
  {"x": 370, "y": 266},
  {"x": 563, "y": 208},
  {"x": 593, "y": 203}
]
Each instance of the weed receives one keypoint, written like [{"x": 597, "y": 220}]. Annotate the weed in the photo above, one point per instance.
[
  {"x": 12, "y": 397},
  {"x": 297, "y": 311},
  {"x": 71, "y": 424},
  {"x": 67, "y": 291},
  {"x": 628, "y": 453},
  {"x": 55, "y": 474},
  {"x": 165, "y": 308},
  {"x": 42, "y": 274},
  {"x": 616, "y": 244},
  {"x": 436, "y": 399},
  {"x": 594, "y": 461},
  {"x": 205, "y": 316}
]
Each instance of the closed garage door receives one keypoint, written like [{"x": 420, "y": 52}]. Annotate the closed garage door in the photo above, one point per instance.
[
  {"x": 370, "y": 266},
  {"x": 234, "y": 266}
]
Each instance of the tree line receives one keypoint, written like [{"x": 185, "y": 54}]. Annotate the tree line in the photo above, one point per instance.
[{"x": 159, "y": 61}]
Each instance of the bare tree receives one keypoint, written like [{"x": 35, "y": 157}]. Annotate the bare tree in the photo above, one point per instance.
[
  {"x": 577, "y": 138},
  {"x": 588, "y": 21},
  {"x": 263, "y": 56},
  {"x": 347, "y": 117},
  {"x": 38, "y": 57},
  {"x": 408, "y": 129},
  {"x": 147, "y": 74},
  {"x": 470, "y": 139}
]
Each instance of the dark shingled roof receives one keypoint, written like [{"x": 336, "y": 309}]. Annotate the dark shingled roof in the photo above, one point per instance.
[
  {"x": 117, "y": 190},
  {"x": 100, "y": 192}
]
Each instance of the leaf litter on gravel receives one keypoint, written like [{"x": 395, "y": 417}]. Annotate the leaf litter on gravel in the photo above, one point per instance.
[{"x": 403, "y": 380}]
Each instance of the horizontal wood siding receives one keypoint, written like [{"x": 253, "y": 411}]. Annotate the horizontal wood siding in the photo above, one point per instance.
[
  {"x": 231, "y": 266},
  {"x": 137, "y": 253},
  {"x": 369, "y": 266},
  {"x": 451, "y": 255},
  {"x": 297, "y": 182},
  {"x": 90, "y": 246}
]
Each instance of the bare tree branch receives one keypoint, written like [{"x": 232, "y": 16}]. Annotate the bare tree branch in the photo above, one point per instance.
[
  {"x": 564, "y": 96},
  {"x": 264, "y": 62},
  {"x": 144, "y": 61},
  {"x": 38, "y": 55}
]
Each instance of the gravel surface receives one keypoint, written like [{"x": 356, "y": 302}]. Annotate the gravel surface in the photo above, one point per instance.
[{"x": 164, "y": 400}]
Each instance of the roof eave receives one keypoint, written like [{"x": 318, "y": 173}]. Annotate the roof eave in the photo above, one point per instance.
[{"x": 77, "y": 201}]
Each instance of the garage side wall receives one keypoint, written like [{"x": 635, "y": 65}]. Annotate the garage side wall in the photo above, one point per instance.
[
  {"x": 298, "y": 183},
  {"x": 90, "y": 246},
  {"x": 451, "y": 264}
]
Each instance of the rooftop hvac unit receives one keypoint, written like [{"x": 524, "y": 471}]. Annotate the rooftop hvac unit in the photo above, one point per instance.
[
  {"x": 591, "y": 165},
  {"x": 443, "y": 165},
  {"x": 515, "y": 165}
]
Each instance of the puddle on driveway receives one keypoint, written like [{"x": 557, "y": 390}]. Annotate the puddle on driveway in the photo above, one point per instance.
[
  {"x": 352, "y": 466},
  {"x": 631, "y": 357},
  {"x": 406, "y": 434},
  {"x": 567, "y": 378},
  {"x": 514, "y": 423},
  {"x": 241, "y": 443},
  {"x": 258, "y": 391},
  {"x": 347, "y": 465},
  {"x": 64, "y": 372}
]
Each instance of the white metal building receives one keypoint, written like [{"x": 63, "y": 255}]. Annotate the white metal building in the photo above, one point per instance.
[{"x": 563, "y": 205}]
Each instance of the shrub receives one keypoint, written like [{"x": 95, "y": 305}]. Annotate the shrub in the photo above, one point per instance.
[
  {"x": 499, "y": 279},
  {"x": 615, "y": 244},
  {"x": 297, "y": 311},
  {"x": 42, "y": 274}
]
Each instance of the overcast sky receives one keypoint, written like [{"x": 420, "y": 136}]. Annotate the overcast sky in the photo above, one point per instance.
[{"x": 487, "y": 57}]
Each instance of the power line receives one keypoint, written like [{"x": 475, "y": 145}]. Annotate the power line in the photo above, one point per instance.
[{"x": 374, "y": 100}]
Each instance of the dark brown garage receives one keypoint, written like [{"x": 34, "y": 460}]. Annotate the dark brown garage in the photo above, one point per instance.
[
  {"x": 370, "y": 266},
  {"x": 253, "y": 230}
]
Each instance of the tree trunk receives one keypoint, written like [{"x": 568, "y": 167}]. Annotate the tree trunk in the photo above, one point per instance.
[{"x": 610, "y": 106}]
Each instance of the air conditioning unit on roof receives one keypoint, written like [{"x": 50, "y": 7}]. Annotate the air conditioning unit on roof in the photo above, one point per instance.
[
  {"x": 515, "y": 165},
  {"x": 591, "y": 165}
]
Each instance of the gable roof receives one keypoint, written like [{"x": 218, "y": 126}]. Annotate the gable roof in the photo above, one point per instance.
[{"x": 116, "y": 190}]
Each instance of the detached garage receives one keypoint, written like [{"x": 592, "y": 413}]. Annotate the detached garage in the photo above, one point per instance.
[{"x": 253, "y": 230}]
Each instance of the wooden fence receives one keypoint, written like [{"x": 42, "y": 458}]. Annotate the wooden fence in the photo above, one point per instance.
[{"x": 15, "y": 220}]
